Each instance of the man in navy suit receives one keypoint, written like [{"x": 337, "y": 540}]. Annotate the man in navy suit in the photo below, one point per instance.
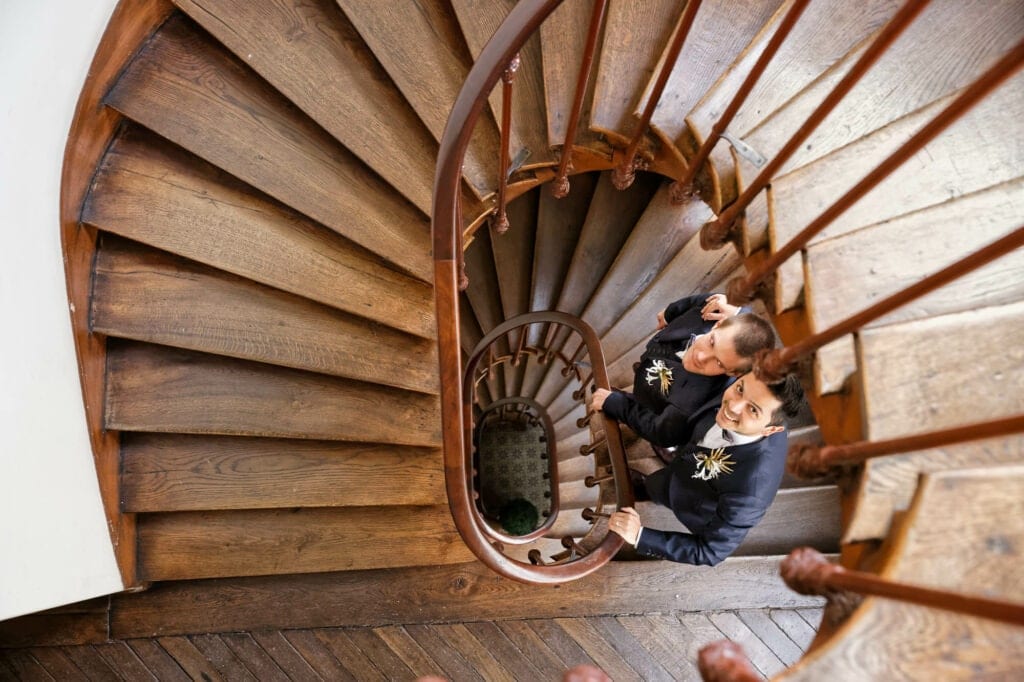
[
  {"x": 722, "y": 480},
  {"x": 702, "y": 342}
]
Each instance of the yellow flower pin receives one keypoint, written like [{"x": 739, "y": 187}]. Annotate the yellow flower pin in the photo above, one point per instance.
[
  {"x": 659, "y": 371},
  {"x": 711, "y": 464}
]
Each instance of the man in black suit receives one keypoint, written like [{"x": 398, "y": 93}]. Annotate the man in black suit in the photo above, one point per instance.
[
  {"x": 721, "y": 482},
  {"x": 702, "y": 342}
]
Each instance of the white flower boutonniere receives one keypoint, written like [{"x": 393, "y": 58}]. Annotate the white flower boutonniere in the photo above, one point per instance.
[
  {"x": 711, "y": 464},
  {"x": 659, "y": 371}
]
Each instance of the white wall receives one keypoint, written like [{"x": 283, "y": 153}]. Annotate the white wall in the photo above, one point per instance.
[{"x": 54, "y": 545}]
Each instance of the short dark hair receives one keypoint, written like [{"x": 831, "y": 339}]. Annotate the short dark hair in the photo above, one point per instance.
[
  {"x": 754, "y": 334},
  {"x": 790, "y": 394}
]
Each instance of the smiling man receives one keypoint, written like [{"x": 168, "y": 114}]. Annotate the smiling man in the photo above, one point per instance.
[
  {"x": 721, "y": 482},
  {"x": 703, "y": 341}
]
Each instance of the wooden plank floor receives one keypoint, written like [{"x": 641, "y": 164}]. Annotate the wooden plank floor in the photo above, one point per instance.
[{"x": 636, "y": 647}]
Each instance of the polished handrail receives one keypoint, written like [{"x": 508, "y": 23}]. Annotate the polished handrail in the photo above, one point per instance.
[{"x": 716, "y": 233}]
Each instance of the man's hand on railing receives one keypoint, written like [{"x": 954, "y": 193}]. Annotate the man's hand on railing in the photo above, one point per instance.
[
  {"x": 717, "y": 308},
  {"x": 626, "y": 523},
  {"x": 600, "y": 395}
]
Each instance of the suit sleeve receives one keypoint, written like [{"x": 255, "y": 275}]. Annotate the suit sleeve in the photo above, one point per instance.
[
  {"x": 671, "y": 427},
  {"x": 736, "y": 515},
  {"x": 679, "y": 307}
]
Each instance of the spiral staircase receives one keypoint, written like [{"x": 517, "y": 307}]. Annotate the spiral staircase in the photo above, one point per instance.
[{"x": 246, "y": 205}]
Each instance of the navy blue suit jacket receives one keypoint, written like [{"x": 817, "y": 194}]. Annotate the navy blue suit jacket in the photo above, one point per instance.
[{"x": 718, "y": 512}]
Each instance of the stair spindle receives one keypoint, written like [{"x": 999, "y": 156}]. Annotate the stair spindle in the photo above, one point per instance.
[
  {"x": 683, "y": 188},
  {"x": 625, "y": 172},
  {"x": 501, "y": 224},
  {"x": 807, "y": 571},
  {"x": 592, "y": 516},
  {"x": 715, "y": 234},
  {"x": 591, "y": 481},
  {"x": 560, "y": 185}
]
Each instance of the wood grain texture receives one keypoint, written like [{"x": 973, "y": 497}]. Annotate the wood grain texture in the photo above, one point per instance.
[
  {"x": 563, "y": 38},
  {"x": 971, "y": 156},
  {"x": 169, "y": 472},
  {"x": 153, "y": 192},
  {"x": 253, "y": 657},
  {"x": 706, "y": 54},
  {"x": 311, "y": 54},
  {"x": 190, "y": 545},
  {"x": 635, "y": 35},
  {"x": 146, "y": 295},
  {"x": 79, "y": 623},
  {"x": 886, "y": 485},
  {"x": 513, "y": 254},
  {"x": 419, "y": 44},
  {"x": 479, "y": 20},
  {"x": 818, "y": 509},
  {"x": 908, "y": 388},
  {"x": 152, "y": 388},
  {"x": 190, "y": 90},
  {"x": 285, "y": 655},
  {"x": 157, "y": 660},
  {"x": 763, "y": 658},
  {"x": 316, "y": 654}
]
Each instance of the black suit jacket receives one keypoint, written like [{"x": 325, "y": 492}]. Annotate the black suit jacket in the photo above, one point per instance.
[
  {"x": 718, "y": 512},
  {"x": 665, "y": 419}
]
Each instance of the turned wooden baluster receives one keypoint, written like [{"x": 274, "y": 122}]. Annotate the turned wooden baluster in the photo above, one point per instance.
[
  {"x": 716, "y": 233},
  {"x": 741, "y": 289},
  {"x": 774, "y": 364},
  {"x": 807, "y": 571},
  {"x": 810, "y": 461},
  {"x": 625, "y": 173},
  {"x": 592, "y": 481},
  {"x": 560, "y": 185},
  {"x": 725, "y": 661},
  {"x": 683, "y": 188},
  {"x": 501, "y": 223},
  {"x": 592, "y": 516}
]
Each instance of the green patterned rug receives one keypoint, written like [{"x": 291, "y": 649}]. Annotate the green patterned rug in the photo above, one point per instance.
[{"x": 513, "y": 465}]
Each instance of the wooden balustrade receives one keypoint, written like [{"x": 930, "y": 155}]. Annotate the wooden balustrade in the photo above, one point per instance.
[
  {"x": 683, "y": 188},
  {"x": 774, "y": 364},
  {"x": 560, "y": 185},
  {"x": 625, "y": 172},
  {"x": 809, "y": 461},
  {"x": 716, "y": 233},
  {"x": 807, "y": 571},
  {"x": 507, "y": 78}
]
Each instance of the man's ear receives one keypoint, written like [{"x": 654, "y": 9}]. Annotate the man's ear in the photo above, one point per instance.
[{"x": 769, "y": 430}]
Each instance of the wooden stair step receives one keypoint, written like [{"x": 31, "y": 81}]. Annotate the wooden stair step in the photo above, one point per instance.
[
  {"x": 574, "y": 495},
  {"x": 311, "y": 54},
  {"x": 635, "y": 34},
  {"x": 962, "y": 534},
  {"x": 921, "y": 68},
  {"x": 513, "y": 254},
  {"x": 706, "y": 54},
  {"x": 172, "y": 472},
  {"x": 189, "y": 90},
  {"x": 563, "y": 39},
  {"x": 191, "y": 545},
  {"x": 146, "y": 295},
  {"x": 825, "y": 33},
  {"x": 569, "y": 447},
  {"x": 570, "y": 523},
  {"x": 817, "y": 508},
  {"x": 970, "y": 157},
  {"x": 151, "y": 191},
  {"x": 886, "y": 485},
  {"x": 575, "y": 469},
  {"x": 910, "y": 385},
  {"x": 420, "y": 46},
  {"x": 153, "y": 388},
  {"x": 479, "y": 21}
]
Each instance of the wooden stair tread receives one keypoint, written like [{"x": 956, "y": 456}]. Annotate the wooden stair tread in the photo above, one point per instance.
[
  {"x": 172, "y": 472},
  {"x": 563, "y": 39},
  {"x": 153, "y": 192},
  {"x": 972, "y": 156},
  {"x": 816, "y": 507},
  {"x": 240, "y": 124},
  {"x": 190, "y": 545},
  {"x": 706, "y": 54},
  {"x": 153, "y": 388},
  {"x": 513, "y": 254},
  {"x": 634, "y": 36},
  {"x": 909, "y": 385},
  {"x": 142, "y": 294},
  {"x": 479, "y": 21},
  {"x": 886, "y": 485},
  {"x": 419, "y": 44},
  {"x": 570, "y": 523},
  {"x": 311, "y": 54}
]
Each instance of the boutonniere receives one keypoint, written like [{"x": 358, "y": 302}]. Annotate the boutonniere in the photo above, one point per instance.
[
  {"x": 659, "y": 371},
  {"x": 711, "y": 464}
]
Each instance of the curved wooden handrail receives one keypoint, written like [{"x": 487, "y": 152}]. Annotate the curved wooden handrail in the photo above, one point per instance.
[
  {"x": 480, "y": 537},
  {"x": 549, "y": 432}
]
